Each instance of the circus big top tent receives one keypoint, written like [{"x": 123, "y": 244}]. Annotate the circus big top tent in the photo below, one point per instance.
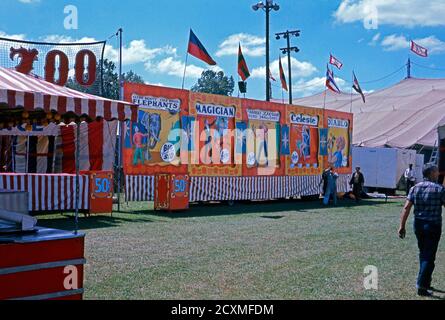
[{"x": 403, "y": 115}]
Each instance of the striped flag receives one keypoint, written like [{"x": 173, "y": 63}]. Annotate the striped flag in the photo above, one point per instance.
[
  {"x": 335, "y": 62},
  {"x": 330, "y": 81},
  {"x": 196, "y": 49},
  {"x": 419, "y": 50},
  {"x": 243, "y": 70},
  {"x": 282, "y": 77},
  {"x": 356, "y": 87}
]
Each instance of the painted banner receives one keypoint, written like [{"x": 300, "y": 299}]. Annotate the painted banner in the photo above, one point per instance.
[
  {"x": 153, "y": 144},
  {"x": 304, "y": 157},
  {"x": 262, "y": 154},
  {"x": 213, "y": 135},
  {"x": 338, "y": 143}
]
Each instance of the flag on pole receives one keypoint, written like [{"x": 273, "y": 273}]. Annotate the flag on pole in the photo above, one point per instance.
[
  {"x": 283, "y": 77},
  {"x": 335, "y": 62},
  {"x": 356, "y": 87},
  {"x": 196, "y": 49},
  {"x": 243, "y": 70},
  {"x": 419, "y": 50},
  {"x": 330, "y": 81},
  {"x": 271, "y": 76}
]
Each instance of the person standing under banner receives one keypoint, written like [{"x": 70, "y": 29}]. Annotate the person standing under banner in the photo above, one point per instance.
[
  {"x": 410, "y": 178},
  {"x": 324, "y": 180},
  {"x": 427, "y": 197},
  {"x": 357, "y": 181},
  {"x": 331, "y": 189}
]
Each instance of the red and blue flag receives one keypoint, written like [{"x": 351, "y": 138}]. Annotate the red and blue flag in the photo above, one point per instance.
[
  {"x": 197, "y": 50},
  {"x": 330, "y": 81}
]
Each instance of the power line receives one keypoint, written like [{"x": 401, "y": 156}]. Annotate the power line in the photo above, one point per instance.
[{"x": 426, "y": 67}]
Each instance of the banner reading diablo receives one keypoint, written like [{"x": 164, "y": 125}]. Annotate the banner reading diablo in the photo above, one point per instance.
[
  {"x": 212, "y": 148},
  {"x": 338, "y": 140},
  {"x": 153, "y": 144},
  {"x": 304, "y": 157}
]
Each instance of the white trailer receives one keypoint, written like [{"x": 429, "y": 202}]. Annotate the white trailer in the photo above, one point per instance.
[{"x": 383, "y": 167}]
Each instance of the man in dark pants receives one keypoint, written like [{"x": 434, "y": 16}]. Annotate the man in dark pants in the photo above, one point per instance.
[
  {"x": 427, "y": 197},
  {"x": 357, "y": 181},
  {"x": 410, "y": 178}
]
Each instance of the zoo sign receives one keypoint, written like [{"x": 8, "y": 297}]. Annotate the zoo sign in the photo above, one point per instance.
[{"x": 57, "y": 60}]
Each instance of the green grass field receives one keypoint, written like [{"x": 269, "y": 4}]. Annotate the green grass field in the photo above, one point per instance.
[{"x": 258, "y": 250}]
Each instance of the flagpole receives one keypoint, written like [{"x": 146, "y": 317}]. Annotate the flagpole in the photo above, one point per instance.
[
  {"x": 350, "y": 108},
  {"x": 185, "y": 69},
  {"x": 324, "y": 98}
]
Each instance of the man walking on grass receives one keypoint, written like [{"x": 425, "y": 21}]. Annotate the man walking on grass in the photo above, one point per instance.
[{"x": 427, "y": 197}]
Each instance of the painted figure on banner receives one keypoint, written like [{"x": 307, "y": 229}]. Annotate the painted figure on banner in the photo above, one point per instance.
[
  {"x": 155, "y": 138},
  {"x": 338, "y": 143},
  {"x": 261, "y": 138},
  {"x": 138, "y": 138},
  {"x": 303, "y": 148}
]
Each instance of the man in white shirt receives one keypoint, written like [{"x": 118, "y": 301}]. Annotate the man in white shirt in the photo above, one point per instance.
[{"x": 410, "y": 178}]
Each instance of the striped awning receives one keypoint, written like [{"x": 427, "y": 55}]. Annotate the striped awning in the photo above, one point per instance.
[{"x": 31, "y": 93}]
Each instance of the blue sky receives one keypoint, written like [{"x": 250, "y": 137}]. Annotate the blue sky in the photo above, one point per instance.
[{"x": 156, "y": 35}]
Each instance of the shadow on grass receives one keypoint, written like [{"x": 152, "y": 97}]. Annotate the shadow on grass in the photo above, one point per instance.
[
  {"x": 247, "y": 207},
  {"x": 85, "y": 223},
  {"x": 199, "y": 210}
]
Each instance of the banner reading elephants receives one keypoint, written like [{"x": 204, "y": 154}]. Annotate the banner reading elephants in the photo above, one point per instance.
[{"x": 153, "y": 144}]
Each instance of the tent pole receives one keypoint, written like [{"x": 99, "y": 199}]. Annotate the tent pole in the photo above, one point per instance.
[
  {"x": 76, "y": 216},
  {"x": 121, "y": 97}
]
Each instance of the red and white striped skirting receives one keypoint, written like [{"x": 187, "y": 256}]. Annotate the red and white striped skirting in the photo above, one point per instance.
[
  {"x": 49, "y": 192},
  {"x": 141, "y": 188}
]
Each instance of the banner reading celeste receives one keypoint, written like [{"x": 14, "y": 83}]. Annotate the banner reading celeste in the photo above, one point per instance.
[
  {"x": 304, "y": 124},
  {"x": 155, "y": 140}
]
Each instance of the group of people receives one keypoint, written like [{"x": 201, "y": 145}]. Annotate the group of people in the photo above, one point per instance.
[{"x": 329, "y": 181}]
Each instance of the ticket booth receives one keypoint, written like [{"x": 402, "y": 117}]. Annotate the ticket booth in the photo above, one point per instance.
[{"x": 171, "y": 192}]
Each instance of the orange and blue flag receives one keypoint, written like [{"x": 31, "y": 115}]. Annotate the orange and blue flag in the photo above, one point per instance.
[{"x": 196, "y": 49}]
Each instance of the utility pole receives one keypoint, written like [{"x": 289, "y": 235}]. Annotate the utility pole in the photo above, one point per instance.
[
  {"x": 286, "y": 35},
  {"x": 408, "y": 69},
  {"x": 267, "y": 6}
]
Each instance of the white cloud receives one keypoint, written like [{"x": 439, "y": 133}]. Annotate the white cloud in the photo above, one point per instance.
[
  {"x": 136, "y": 52},
  {"x": 375, "y": 39},
  {"x": 316, "y": 85},
  {"x": 299, "y": 69},
  {"x": 395, "y": 42},
  {"x": 174, "y": 67},
  {"x": 251, "y": 45},
  {"x": 407, "y": 13},
  {"x": 12, "y": 36},
  {"x": 29, "y": 1}
]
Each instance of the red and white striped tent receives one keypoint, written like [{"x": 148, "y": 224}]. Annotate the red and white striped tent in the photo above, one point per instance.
[{"x": 32, "y": 93}]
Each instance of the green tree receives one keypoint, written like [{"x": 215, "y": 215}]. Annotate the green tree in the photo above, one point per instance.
[
  {"x": 110, "y": 81},
  {"x": 214, "y": 82}
]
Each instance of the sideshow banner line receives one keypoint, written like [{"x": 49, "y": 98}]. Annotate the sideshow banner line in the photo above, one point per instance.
[{"x": 141, "y": 188}]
